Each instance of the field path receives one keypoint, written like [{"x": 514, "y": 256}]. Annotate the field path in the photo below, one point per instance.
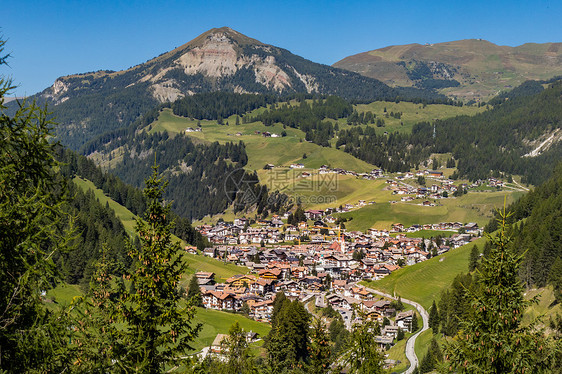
[{"x": 410, "y": 352}]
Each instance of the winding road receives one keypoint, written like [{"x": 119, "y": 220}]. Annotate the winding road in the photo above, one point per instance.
[{"x": 410, "y": 352}]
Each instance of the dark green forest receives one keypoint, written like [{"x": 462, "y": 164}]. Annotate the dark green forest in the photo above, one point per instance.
[
  {"x": 218, "y": 105},
  {"x": 537, "y": 230},
  {"x": 203, "y": 179},
  {"x": 132, "y": 198}
]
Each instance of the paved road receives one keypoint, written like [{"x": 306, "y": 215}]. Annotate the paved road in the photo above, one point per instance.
[{"x": 410, "y": 352}]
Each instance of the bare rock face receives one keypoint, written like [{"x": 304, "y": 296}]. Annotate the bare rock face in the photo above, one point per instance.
[
  {"x": 215, "y": 58},
  {"x": 219, "y": 55},
  {"x": 220, "y": 59}
]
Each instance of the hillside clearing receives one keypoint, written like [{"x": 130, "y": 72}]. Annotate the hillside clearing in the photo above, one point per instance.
[
  {"x": 413, "y": 113},
  {"x": 262, "y": 150}
]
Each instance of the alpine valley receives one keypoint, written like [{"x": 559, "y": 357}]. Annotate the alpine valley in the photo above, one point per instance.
[{"x": 230, "y": 207}]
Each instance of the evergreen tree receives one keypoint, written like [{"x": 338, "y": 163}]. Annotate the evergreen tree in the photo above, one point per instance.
[
  {"x": 338, "y": 335},
  {"x": 194, "y": 292},
  {"x": 157, "y": 320},
  {"x": 362, "y": 355},
  {"x": 32, "y": 338},
  {"x": 434, "y": 318},
  {"x": 433, "y": 357},
  {"x": 319, "y": 349},
  {"x": 435, "y": 164},
  {"x": 414, "y": 327},
  {"x": 493, "y": 339},
  {"x": 474, "y": 256},
  {"x": 238, "y": 357},
  {"x": 555, "y": 278},
  {"x": 280, "y": 299},
  {"x": 287, "y": 344},
  {"x": 400, "y": 335},
  {"x": 96, "y": 340}
]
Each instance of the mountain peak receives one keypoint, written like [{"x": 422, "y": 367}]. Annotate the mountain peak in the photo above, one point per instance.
[{"x": 223, "y": 35}]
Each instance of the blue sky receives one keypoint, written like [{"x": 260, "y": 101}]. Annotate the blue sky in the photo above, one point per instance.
[{"x": 48, "y": 39}]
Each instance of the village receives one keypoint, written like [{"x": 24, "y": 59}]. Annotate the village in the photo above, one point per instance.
[{"x": 319, "y": 265}]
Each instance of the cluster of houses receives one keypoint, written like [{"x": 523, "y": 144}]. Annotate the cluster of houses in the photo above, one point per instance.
[
  {"x": 490, "y": 182},
  {"x": 244, "y": 232},
  {"x": 435, "y": 191},
  {"x": 317, "y": 266},
  {"x": 254, "y": 293},
  {"x": 323, "y": 269}
]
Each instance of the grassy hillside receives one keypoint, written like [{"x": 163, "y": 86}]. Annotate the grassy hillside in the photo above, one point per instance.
[
  {"x": 283, "y": 151},
  {"x": 124, "y": 214},
  {"x": 214, "y": 322},
  {"x": 422, "y": 343},
  {"x": 545, "y": 307},
  {"x": 424, "y": 281},
  {"x": 196, "y": 262},
  {"x": 472, "y": 207},
  {"x": 261, "y": 150},
  {"x": 413, "y": 113},
  {"x": 322, "y": 191}
]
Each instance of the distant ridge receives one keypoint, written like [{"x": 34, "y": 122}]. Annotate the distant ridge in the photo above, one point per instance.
[{"x": 469, "y": 69}]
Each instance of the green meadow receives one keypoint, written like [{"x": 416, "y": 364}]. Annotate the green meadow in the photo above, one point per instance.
[
  {"x": 424, "y": 281},
  {"x": 213, "y": 321},
  {"x": 320, "y": 191},
  {"x": 280, "y": 151},
  {"x": 472, "y": 207},
  {"x": 413, "y": 113},
  {"x": 216, "y": 322}
]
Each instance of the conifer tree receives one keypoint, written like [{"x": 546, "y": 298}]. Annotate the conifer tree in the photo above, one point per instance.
[
  {"x": 194, "y": 292},
  {"x": 287, "y": 343},
  {"x": 474, "y": 256},
  {"x": 433, "y": 357},
  {"x": 158, "y": 329},
  {"x": 96, "y": 339},
  {"x": 32, "y": 338},
  {"x": 414, "y": 327},
  {"x": 319, "y": 349},
  {"x": 362, "y": 355},
  {"x": 400, "y": 334},
  {"x": 238, "y": 358},
  {"x": 434, "y": 318},
  {"x": 493, "y": 339}
]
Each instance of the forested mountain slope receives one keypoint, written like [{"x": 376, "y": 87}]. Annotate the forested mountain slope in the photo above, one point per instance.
[
  {"x": 519, "y": 135},
  {"x": 537, "y": 233},
  {"x": 130, "y": 197}
]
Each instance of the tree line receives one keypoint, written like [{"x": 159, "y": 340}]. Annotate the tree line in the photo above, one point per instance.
[{"x": 536, "y": 232}]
